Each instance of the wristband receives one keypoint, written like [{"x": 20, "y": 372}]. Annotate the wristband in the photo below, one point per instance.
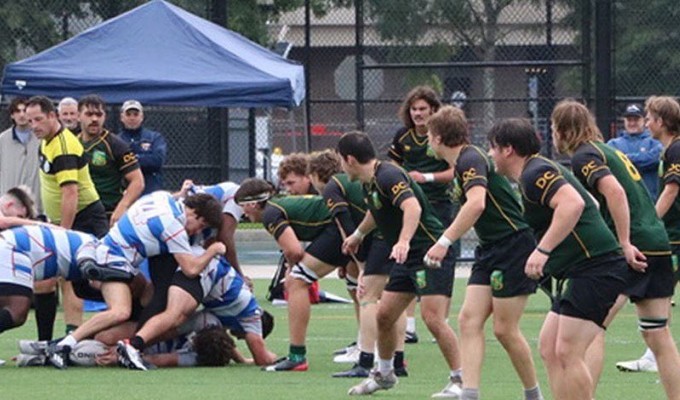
[
  {"x": 542, "y": 251},
  {"x": 358, "y": 234},
  {"x": 428, "y": 177},
  {"x": 444, "y": 241}
]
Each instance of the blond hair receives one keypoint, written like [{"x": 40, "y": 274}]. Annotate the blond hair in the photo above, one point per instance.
[
  {"x": 573, "y": 124},
  {"x": 667, "y": 109}
]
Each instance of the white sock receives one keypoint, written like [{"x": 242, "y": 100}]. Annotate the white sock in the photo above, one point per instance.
[
  {"x": 649, "y": 355},
  {"x": 410, "y": 324},
  {"x": 456, "y": 373},
  {"x": 68, "y": 341},
  {"x": 385, "y": 366}
]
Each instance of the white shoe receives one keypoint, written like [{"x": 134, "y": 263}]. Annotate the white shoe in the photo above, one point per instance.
[
  {"x": 452, "y": 390},
  {"x": 30, "y": 360},
  {"x": 2, "y": 362},
  {"x": 351, "y": 357},
  {"x": 130, "y": 357},
  {"x": 374, "y": 383},
  {"x": 641, "y": 365},
  {"x": 34, "y": 347}
]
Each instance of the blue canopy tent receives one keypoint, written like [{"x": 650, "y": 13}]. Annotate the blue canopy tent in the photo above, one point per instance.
[{"x": 160, "y": 54}]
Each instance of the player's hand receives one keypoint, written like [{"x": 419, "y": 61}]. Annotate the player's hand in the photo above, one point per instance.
[
  {"x": 351, "y": 245},
  {"x": 218, "y": 248},
  {"x": 634, "y": 257},
  {"x": 117, "y": 213},
  {"x": 342, "y": 272},
  {"x": 249, "y": 283},
  {"x": 434, "y": 256},
  {"x": 186, "y": 185},
  {"x": 110, "y": 357},
  {"x": 417, "y": 176},
  {"x": 400, "y": 252},
  {"x": 535, "y": 264}
]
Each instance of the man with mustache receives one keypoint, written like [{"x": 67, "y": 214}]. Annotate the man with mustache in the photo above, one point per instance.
[{"x": 113, "y": 166}]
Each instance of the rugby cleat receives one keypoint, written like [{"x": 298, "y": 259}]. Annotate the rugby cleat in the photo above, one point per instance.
[
  {"x": 641, "y": 365},
  {"x": 344, "y": 350},
  {"x": 285, "y": 364},
  {"x": 30, "y": 360},
  {"x": 357, "y": 371},
  {"x": 374, "y": 383},
  {"x": 57, "y": 355},
  {"x": 129, "y": 357},
  {"x": 411, "y": 337},
  {"x": 33, "y": 347},
  {"x": 452, "y": 390},
  {"x": 351, "y": 357}
]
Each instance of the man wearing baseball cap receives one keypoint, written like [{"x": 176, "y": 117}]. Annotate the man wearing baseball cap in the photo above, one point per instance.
[
  {"x": 637, "y": 143},
  {"x": 149, "y": 146}
]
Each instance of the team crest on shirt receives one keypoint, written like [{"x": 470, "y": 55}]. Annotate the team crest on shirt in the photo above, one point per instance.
[
  {"x": 46, "y": 166},
  {"x": 146, "y": 146},
  {"x": 375, "y": 200},
  {"x": 98, "y": 158}
]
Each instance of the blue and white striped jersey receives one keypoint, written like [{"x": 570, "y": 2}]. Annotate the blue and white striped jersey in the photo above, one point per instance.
[
  {"x": 225, "y": 294},
  {"x": 153, "y": 225},
  {"x": 52, "y": 250},
  {"x": 224, "y": 192}
]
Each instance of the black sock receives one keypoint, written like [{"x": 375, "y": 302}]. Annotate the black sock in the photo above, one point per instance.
[
  {"x": 6, "y": 320},
  {"x": 45, "y": 313},
  {"x": 70, "y": 328},
  {"x": 137, "y": 342},
  {"x": 366, "y": 360},
  {"x": 398, "y": 359}
]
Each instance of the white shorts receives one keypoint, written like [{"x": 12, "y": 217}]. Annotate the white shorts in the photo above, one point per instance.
[{"x": 15, "y": 267}]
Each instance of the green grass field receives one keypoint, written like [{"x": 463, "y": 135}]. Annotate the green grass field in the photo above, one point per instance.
[{"x": 332, "y": 327}]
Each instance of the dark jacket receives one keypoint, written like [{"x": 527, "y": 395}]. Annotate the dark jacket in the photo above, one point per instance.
[{"x": 151, "y": 150}]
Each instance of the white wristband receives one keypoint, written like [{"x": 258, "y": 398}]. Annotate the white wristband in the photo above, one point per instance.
[
  {"x": 444, "y": 241},
  {"x": 428, "y": 177},
  {"x": 358, "y": 234}
]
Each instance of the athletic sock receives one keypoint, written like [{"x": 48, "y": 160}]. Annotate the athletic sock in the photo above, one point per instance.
[
  {"x": 456, "y": 375},
  {"x": 138, "y": 343},
  {"x": 6, "y": 320},
  {"x": 70, "y": 328},
  {"x": 533, "y": 394},
  {"x": 45, "y": 314},
  {"x": 69, "y": 340},
  {"x": 366, "y": 360},
  {"x": 398, "y": 359},
  {"x": 385, "y": 366},
  {"x": 410, "y": 324},
  {"x": 470, "y": 394},
  {"x": 297, "y": 353},
  {"x": 649, "y": 355}
]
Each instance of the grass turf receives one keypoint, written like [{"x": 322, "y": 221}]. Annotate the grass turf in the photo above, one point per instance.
[{"x": 332, "y": 326}]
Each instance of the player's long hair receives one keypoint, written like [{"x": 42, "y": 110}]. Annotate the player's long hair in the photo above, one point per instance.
[
  {"x": 24, "y": 196},
  {"x": 667, "y": 109},
  {"x": 573, "y": 125},
  {"x": 418, "y": 93},
  {"x": 213, "y": 347},
  {"x": 324, "y": 164}
]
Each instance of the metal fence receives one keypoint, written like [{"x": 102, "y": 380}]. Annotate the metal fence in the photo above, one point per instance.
[{"x": 362, "y": 56}]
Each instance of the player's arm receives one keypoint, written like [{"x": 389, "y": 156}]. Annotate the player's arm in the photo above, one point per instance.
[
  {"x": 164, "y": 360},
  {"x": 258, "y": 349},
  {"x": 666, "y": 198},
  {"x": 192, "y": 266},
  {"x": 290, "y": 245},
  {"x": 135, "y": 180},
  {"x": 351, "y": 244},
  {"x": 339, "y": 207},
  {"x": 226, "y": 236},
  {"x": 69, "y": 204},
  {"x": 445, "y": 176}
]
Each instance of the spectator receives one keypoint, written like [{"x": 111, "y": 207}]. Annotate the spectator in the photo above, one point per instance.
[
  {"x": 149, "y": 146},
  {"x": 67, "y": 111},
  {"x": 113, "y": 166},
  {"x": 637, "y": 143},
  {"x": 19, "y": 152}
]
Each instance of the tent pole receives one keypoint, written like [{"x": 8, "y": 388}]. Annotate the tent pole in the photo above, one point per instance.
[{"x": 308, "y": 60}]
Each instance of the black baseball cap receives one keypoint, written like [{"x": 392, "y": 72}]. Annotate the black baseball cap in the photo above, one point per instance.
[{"x": 634, "y": 110}]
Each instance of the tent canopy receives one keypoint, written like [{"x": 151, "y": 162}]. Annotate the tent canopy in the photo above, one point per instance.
[{"x": 160, "y": 54}]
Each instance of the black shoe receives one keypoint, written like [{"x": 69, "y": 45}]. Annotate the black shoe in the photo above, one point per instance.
[
  {"x": 357, "y": 371},
  {"x": 58, "y": 356},
  {"x": 411, "y": 337},
  {"x": 401, "y": 371}
]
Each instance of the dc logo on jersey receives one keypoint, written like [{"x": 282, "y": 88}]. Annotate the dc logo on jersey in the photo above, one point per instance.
[
  {"x": 588, "y": 169},
  {"x": 547, "y": 178},
  {"x": 469, "y": 175}
]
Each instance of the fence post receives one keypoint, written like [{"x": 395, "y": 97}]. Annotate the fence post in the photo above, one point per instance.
[
  {"x": 218, "y": 118},
  {"x": 603, "y": 66}
]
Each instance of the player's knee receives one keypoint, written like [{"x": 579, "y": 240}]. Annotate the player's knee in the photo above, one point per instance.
[
  {"x": 504, "y": 331},
  {"x": 301, "y": 275},
  {"x": 469, "y": 323},
  {"x": 119, "y": 314}
]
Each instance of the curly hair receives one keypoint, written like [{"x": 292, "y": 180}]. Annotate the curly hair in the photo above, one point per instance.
[
  {"x": 418, "y": 93},
  {"x": 324, "y": 164},
  {"x": 213, "y": 347},
  {"x": 293, "y": 163},
  {"x": 207, "y": 207}
]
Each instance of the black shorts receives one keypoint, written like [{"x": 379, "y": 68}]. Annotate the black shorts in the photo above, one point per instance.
[
  {"x": 501, "y": 265},
  {"x": 413, "y": 277},
  {"x": 161, "y": 270},
  {"x": 657, "y": 282},
  {"x": 591, "y": 290},
  {"x": 10, "y": 289},
  {"x": 378, "y": 260},
  {"x": 327, "y": 247},
  {"x": 92, "y": 219},
  {"x": 675, "y": 249},
  {"x": 189, "y": 285}
]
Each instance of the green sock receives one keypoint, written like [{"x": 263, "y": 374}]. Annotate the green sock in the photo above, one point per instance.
[{"x": 297, "y": 353}]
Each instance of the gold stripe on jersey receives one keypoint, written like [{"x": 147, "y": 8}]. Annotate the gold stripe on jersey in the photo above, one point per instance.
[
  {"x": 500, "y": 210},
  {"x": 580, "y": 242},
  {"x": 545, "y": 191},
  {"x": 427, "y": 232},
  {"x": 283, "y": 210},
  {"x": 339, "y": 185}
]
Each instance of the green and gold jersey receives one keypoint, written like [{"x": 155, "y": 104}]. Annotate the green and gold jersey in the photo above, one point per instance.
[
  {"x": 343, "y": 195},
  {"x": 502, "y": 215},
  {"x": 669, "y": 171},
  {"x": 595, "y": 160},
  {"x": 307, "y": 215},
  {"x": 390, "y": 187},
  {"x": 61, "y": 163},
  {"x": 109, "y": 159},
  {"x": 410, "y": 150},
  {"x": 540, "y": 180}
]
